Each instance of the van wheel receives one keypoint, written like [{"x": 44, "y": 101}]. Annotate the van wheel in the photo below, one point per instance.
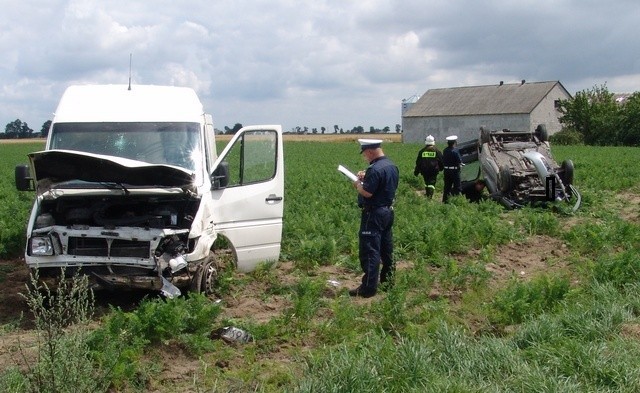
[
  {"x": 196, "y": 280},
  {"x": 205, "y": 277},
  {"x": 210, "y": 274},
  {"x": 504, "y": 178}
]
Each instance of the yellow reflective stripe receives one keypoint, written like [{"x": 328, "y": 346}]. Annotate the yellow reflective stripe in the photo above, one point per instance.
[{"x": 428, "y": 154}]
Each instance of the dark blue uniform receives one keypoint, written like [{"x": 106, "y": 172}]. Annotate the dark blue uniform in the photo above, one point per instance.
[
  {"x": 452, "y": 161},
  {"x": 376, "y": 237}
]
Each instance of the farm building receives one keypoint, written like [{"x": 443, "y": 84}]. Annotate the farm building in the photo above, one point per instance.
[{"x": 463, "y": 110}]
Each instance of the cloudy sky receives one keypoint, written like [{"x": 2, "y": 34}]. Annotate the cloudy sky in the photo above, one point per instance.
[{"x": 309, "y": 62}]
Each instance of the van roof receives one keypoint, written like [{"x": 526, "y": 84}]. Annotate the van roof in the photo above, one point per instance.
[{"x": 116, "y": 103}]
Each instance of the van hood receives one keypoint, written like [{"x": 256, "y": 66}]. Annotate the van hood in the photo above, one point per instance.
[{"x": 52, "y": 167}]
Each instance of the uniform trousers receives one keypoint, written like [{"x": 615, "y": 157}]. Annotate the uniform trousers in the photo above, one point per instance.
[
  {"x": 451, "y": 183},
  {"x": 376, "y": 245}
]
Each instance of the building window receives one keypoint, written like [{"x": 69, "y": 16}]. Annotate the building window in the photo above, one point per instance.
[{"x": 556, "y": 104}]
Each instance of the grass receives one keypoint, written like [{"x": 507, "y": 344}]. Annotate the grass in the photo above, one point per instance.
[{"x": 449, "y": 324}]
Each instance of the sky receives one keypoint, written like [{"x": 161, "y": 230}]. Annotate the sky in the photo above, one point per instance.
[{"x": 313, "y": 63}]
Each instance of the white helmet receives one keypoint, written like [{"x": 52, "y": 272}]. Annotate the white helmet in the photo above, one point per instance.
[{"x": 429, "y": 140}]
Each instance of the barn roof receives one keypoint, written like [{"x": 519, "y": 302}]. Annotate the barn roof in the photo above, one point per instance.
[{"x": 507, "y": 98}]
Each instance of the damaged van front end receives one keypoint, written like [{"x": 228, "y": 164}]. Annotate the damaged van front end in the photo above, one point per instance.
[{"x": 124, "y": 223}]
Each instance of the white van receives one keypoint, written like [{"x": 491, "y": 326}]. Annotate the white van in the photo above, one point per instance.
[{"x": 130, "y": 191}]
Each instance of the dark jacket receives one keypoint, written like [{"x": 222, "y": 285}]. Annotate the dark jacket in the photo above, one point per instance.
[{"x": 429, "y": 161}]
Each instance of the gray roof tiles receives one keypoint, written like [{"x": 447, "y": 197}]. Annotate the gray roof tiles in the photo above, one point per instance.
[{"x": 481, "y": 100}]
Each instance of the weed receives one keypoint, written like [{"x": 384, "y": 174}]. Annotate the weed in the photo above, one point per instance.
[
  {"x": 64, "y": 359},
  {"x": 522, "y": 300}
]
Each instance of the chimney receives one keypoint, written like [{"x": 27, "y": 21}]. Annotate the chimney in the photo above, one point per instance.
[{"x": 523, "y": 82}]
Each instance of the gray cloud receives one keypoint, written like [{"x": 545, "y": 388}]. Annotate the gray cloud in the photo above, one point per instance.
[{"x": 309, "y": 63}]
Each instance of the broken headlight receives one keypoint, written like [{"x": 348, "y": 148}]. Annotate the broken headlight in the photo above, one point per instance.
[{"x": 41, "y": 245}]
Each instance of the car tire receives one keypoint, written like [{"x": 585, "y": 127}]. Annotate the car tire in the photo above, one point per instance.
[
  {"x": 504, "y": 180},
  {"x": 485, "y": 135},
  {"x": 541, "y": 133},
  {"x": 567, "y": 172}
]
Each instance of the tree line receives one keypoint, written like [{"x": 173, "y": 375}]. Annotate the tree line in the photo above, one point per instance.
[{"x": 21, "y": 130}]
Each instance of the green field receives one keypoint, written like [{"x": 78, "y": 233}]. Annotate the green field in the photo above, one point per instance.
[{"x": 486, "y": 300}]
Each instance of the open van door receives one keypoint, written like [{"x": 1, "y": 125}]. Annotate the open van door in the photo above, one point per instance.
[{"x": 248, "y": 194}]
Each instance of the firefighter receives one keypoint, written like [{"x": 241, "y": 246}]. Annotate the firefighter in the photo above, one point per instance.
[{"x": 429, "y": 164}]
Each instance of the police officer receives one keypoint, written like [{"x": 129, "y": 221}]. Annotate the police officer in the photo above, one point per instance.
[
  {"x": 376, "y": 191},
  {"x": 452, "y": 162},
  {"x": 429, "y": 164}
]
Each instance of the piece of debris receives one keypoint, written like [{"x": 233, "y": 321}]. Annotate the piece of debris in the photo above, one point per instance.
[
  {"x": 232, "y": 335},
  {"x": 169, "y": 290}
]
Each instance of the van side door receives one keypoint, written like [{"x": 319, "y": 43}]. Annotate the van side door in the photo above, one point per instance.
[{"x": 248, "y": 194}]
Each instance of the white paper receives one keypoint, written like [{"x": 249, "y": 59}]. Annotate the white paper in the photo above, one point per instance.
[{"x": 347, "y": 173}]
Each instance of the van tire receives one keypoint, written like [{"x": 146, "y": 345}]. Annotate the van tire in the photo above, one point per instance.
[{"x": 206, "y": 276}]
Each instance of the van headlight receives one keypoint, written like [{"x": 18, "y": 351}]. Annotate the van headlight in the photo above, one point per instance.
[{"x": 41, "y": 245}]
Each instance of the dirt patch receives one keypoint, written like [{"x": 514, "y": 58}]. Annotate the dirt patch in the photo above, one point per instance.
[
  {"x": 528, "y": 258},
  {"x": 630, "y": 206},
  {"x": 14, "y": 276}
]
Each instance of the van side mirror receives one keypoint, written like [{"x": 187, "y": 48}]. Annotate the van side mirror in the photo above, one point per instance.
[
  {"x": 24, "y": 181},
  {"x": 220, "y": 176}
]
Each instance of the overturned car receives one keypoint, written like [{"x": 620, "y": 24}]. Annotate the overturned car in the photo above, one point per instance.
[{"x": 518, "y": 168}]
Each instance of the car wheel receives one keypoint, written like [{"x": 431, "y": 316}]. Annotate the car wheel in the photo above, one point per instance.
[
  {"x": 485, "y": 135},
  {"x": 541, "y": 133},
  {"x": 504, "y": 179},
  {"x": 567, "y": 172}
]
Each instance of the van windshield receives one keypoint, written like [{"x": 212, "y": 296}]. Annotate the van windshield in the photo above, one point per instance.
[{"x": 171, "y": 143}]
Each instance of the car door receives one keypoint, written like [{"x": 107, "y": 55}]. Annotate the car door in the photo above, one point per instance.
[{"x": 249, "y": 204}]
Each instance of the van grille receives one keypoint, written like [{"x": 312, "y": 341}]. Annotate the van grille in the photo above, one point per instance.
[{"x": 100, "y": 247}]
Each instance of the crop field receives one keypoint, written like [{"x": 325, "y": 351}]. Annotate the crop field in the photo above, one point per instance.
[{"x": 486, "y": 300}]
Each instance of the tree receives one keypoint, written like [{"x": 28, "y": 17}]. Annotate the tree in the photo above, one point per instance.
[
  {"x": 322, "y": 129},
  {"x": 12, "y": 130},
  {"x": 44, "y": 132},
  {"x": 233, "y": 130},
  {"x": 630, "y": 130},
  {"x": 398, "y": 129},
  {"x": 594, "y": 114},
  {"x": 17, "y": 129}
]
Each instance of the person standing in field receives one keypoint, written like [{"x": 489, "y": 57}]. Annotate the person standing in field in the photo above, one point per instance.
[
  {"x": 429, "y": 164},
  {"x": 376, "y": 189},
  {"x": 452, "y": 162}
]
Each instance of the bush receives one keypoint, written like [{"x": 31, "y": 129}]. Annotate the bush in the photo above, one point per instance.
[{"x": 566, "y": 137}]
